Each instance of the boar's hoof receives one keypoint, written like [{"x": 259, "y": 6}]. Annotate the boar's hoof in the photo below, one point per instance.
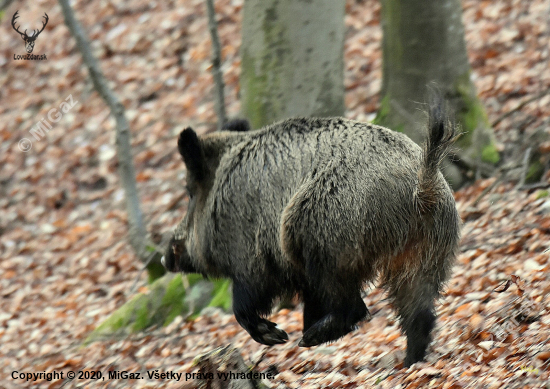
[{"x": 269, "y": 334}]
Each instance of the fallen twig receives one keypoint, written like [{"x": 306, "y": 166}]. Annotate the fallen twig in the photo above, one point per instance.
[
  {"x": 498, "y": 179},
  {"x": 520, "y": 106},
  {"x": 524, "y": 168}
]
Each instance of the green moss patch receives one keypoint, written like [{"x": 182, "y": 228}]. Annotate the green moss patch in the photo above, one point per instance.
[
  {"x": 534, "y": 173},
  {"x": 383, "y": 112},
  {"x": 490, "y": 154},
  {"x": 541, "y": 194},
  {"x": 166, "y": 299}
]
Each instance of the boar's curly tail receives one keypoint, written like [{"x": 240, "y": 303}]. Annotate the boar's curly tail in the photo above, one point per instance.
[{"x": 442, "y": 133}]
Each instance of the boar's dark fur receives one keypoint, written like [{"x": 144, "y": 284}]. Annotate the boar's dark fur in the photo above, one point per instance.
[
  {"x": 236, "y": 125},
  {"x": 319, "y": 207}
]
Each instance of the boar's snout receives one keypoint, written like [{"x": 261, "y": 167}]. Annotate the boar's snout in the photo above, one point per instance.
[
  {"x": 176, "y": 258},
  {"x": 171, "y": 258}
]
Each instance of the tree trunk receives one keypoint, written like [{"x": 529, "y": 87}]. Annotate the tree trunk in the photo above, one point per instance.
[
  {"x": 219, "y": 95},
  {"x": 137, "y": 232},
  {"x": 423, "y": 43},
  {"x": 292, "y": 57}
]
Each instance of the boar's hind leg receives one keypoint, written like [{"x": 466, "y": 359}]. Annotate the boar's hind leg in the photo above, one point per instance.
[
  {"x": 248, "y": 304},
  {"x": 414, "y": 300},
  {"x": 325, "y": 321}
]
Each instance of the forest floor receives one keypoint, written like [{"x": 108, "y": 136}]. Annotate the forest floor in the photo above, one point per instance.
[{"x": 66, "y": 264}]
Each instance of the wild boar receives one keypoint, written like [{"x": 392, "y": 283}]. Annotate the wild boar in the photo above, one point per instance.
[{"x": 317, "y": 207}]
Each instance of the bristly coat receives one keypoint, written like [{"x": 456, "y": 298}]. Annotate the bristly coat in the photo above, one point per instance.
[{"x": 318, "y": 207}]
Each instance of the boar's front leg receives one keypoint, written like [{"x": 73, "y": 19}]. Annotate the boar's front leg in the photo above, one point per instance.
[
  {"x": 248, "y": 304},
  {"x": 314, "y": 310}
]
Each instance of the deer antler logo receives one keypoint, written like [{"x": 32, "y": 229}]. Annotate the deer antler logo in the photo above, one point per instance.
[{"x": 29, "y": 40}]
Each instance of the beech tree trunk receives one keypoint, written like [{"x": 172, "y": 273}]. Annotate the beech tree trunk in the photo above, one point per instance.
[
  {"x": 423, "y": 43},
  {"x": 292, "y": 57}
]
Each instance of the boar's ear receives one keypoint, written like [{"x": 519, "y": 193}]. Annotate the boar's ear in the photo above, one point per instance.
[{"x": 190, "y": 149}]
